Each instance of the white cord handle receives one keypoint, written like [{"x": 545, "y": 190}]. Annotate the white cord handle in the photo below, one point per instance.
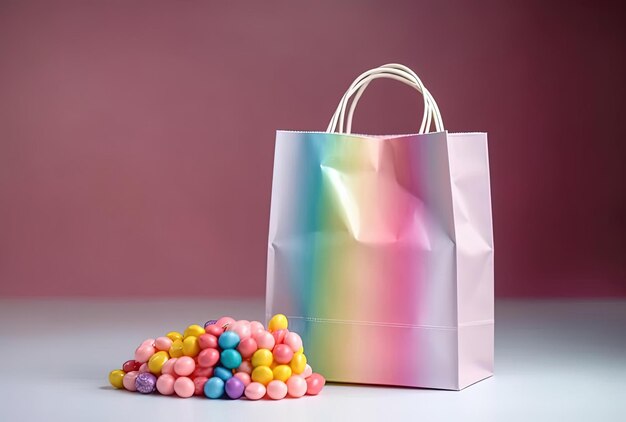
[{"x": 389, "y": 71}]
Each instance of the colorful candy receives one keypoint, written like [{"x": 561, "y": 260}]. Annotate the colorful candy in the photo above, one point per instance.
[{"x": 225, "y": 358}]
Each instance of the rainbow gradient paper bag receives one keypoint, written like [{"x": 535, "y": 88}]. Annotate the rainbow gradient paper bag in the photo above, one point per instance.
[{"x": 381, "y": 249}]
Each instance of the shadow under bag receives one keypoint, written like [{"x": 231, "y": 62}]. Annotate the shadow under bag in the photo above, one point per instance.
[{"x": 381, "y": 248}]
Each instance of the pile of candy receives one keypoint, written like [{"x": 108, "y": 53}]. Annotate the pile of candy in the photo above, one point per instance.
[{"x": 225, "y": 358}]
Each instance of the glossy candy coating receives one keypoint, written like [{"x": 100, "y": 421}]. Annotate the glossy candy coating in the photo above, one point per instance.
[
  {"x": 242, "y": 328},
  {"x": 247, "y": 347},
  {"x": 262, "y": 374},
  {"x": 174, "y": 335},
  {"x": 307, "y": 371},
  {"x": 202, "y": 372},
  {"x": 262, "y": 357},
  {"x": 168, "y": 367},
  {"x": 246, "y": 366},
  {"x": 165, "y": 384},
  {"x": 184, "y": 366},
  {"x": 143, "y": 368},
  {"x": 193, "y": 330},
  {"x": 294, "y": 341},
  {"x": 157, "y": 361},
  {"x": 207, "y": 341},
  {"x": 191, "y": 347},
  {"x": 214, "y": 388},
  {"x": 230, "y": 359},
  {"x": 234, "y": 388},
  {"x": 224, "y": 321},
  {"x": 198, "y": 383},
  {"x": 163, "y": 343},
  {"x": 143, "y": 353},
  {"x": 264, "y": 340},
  {"x": 210, "y": 322},
  {"x": 184, "y": 387},
  {"x": 282, "y": 372},
  {"x": 228, "y": 340},
  {"x": 131, "y": 365},
  {"x": 208, "y": 357},
  {"x": 282, "y": 353},
  {"x": 298, "y": 363},
  {"x": 243, "y": 377},
  {"x": 255, "y": 391},
  {"x": 222, "y": 373},
  {"x": 279, "y": 335},
  {"x": 215, "y": 330},
  {"x": 116, "y": 378},
  {"x": 256, "y": 327},
  {"x": 278, "y": 322},
  {"x": 315, "y": 383},
  {"x": 145, "y": 383},
  {"x": 176, "y": 350},
  {"x": 296, "y": 386},
  {"x": 129, "y": 380},
  {"x": 277, "y": 390}
]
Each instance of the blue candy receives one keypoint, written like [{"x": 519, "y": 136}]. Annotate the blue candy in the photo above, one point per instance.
[
  {"x": 228, "y": 340},
  {"x": 222, "y": 373},
  {"x": 214, "y": 388},
  {"x": 230, "y": 358}
]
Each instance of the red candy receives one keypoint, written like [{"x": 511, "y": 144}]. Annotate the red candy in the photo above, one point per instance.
[
  {"x": 198, "y": 384},
  {"x": 131, "y": 365},
  {"x": 279, "y": 335},
  {"x": 202, "y": 372},
  {"x": 282, "y": 353},
  {"x": 314, "y": 384},
  {"x": 208, "y": 357},
  {"x": 247, "y": 347},
  {"x": 214, "y": 330},
  {"x": 207, "y": 341}
]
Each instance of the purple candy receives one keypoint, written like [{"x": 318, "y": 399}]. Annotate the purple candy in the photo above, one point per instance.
[
  {"x": 145, "y": 383},
  {"x": 210, "y": 322},
  {"x": 234, "y": 388}
]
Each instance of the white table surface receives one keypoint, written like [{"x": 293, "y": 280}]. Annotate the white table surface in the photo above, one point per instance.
[{"x": 555, "y": 361}]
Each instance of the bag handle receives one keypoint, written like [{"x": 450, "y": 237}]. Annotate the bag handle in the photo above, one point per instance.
[{"x": 394, "y": 71}]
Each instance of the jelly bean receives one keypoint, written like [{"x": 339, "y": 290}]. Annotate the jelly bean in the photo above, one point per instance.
[
  {"x": 208, "y": 357},
  {"x": 224, "y": 321},
  {"x": 247, "y": 347},
  {"x": 278, "y": 322},
  {"x": 246, "y": 366},
  {"x": 184, "y": 366},
  {"x": 307, "y": 371},
  {"x": 262, "y": 374},
  {"x": 296, "y": 386},
  {"x": 215, "y": 330},
  {"x": 143, "y": 368},
  {"x": 279, "y": 335},
  {"x": 242, "y": 328},
  {"x": 300, "y": 350},
  {"x": 131, "y": 365},
  {"x": 157, "y": 361},
  {"x": 315, "y": 383},
  {"x": 282, "y": 372},
  {"x": 243, "y": 377},
  {"x": 228, "y": 340},
  {"x": 207, "y": 341},
  {"x": 293, "y": 340},
  {"x": 256, "y": 327},
  {"x": 198, "y": 383},
  {"x": 210, "y": 322},
  {"x": 148, "y": 342},
  {"x": 184, "y": 387},
  {"x": 298, "y": 363},
  {"x": 265, "y": 340},
  {"x": 222, "y": 373},
  {"x": 168, "y": 367},
  {"x": 214, "y": 388},
  {"x": 255, "y": 391},
  {"x": 262, "y": 357},
  {"x": 230, "y": 359},
  {"x": 191, "y": 346},
  {"x": 277, "y": 390},
  {"x": 174, "y": 335},
  {"x": 163, "y": 343},
  {"x": 116, "y": 378},
  {"x": 143, "y": 353},
  {"x": 129, "y": 380},
  {"x": 202, "y": 372},
  {"x": 165, "y": 384},
  {"x": 193, "y": 330},
  {"x": 176, "y": 350},
  {"x": 282, "y": 353},
  {"x": 145, "y": 383},
  {"x": 234, "y": 388}
]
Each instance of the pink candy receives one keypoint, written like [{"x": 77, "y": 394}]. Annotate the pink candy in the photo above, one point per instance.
[
  {"x": 129, "y": 380},
  {"x": 315, "y": 383},
  {"x": 224, "y": 321},
  {"x": 163, "y": 343},
  {"x": 244, "y": 377},
  {"x": 184, "y": 387},
  {"x": 296, "y": 386},
  {"x": 165, "y": 384},
  {"x": 207, "y": 341},
  {"x": 265, "y": 340},
  {"x": 247, "y": 347},
  {"x": 255, "y": 391},
  {"x": 294, "y": 341},
  {"x": 208, "y": 357},
  {"x": 184, "y": 366},
  {"x": 144, "y": 352},
  {"x": 282, "y": 353},
  {"x": 277, "y": 390}
]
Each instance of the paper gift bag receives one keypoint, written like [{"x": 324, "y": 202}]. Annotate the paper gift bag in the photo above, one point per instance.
[{"x": 381, "y": 248}]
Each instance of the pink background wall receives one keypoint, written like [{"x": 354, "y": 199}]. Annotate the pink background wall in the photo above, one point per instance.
[{"x": 136, "y": 138}]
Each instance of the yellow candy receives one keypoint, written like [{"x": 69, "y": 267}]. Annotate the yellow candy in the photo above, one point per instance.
[
  {"x": 191, "y": 347},
  {"x": 174, "y": 335},
  {"x": 262, "y": 357},
  {"x": 298, "y": 363},
  {"x": 262, "y": 374},
  {"x": 116, "y": 378},
  {"x": 156, "y": 362},
  {"x": 176, "y": 350},
  {"x": 278, "y": 322},
  {"x": 301, "y": 349},
  {"x": 194, "y": 330},
  {"x": 282, "y": 373}
]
